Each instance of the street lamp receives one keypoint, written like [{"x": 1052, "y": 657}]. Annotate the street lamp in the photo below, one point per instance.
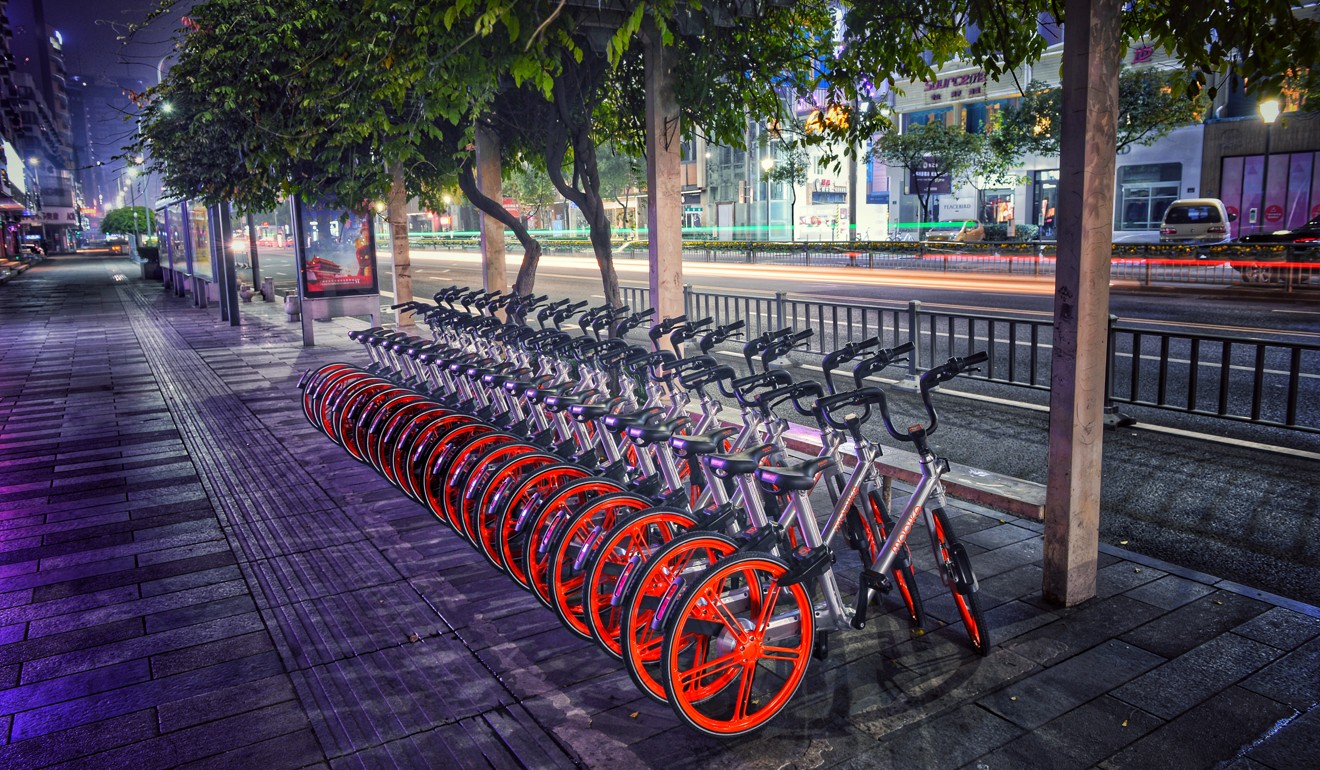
[
  {"x": 767, "y": 163},
  {"x": 1269, "y": 112}
]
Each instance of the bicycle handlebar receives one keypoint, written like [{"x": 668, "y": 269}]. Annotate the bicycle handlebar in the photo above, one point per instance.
[
  {"x": 865, "y": 397},
  {"x": 880, "y": 360}
]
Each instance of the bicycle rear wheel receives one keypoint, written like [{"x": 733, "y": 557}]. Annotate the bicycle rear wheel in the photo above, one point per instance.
[
  {"x": 956, "y": 570},
  {"x": 437, "y": 463},
  {"x": 490, "y": 499},
  {"x": 549, "y": 520},
  {"x": 737, "y": 645},
  {"x": 519, "y": 508},
  {"x": 872, "y": 528}
]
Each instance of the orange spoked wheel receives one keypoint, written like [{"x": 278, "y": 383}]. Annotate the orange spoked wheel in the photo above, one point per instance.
[
  {"x": 619, "y": 553},
  {"x": 374, "y": 436},
  {"x": 648, "y": 595},
  {"x": 737, "y": 645},
  {"x": 490, "y": 499},
  {"x": 548, "y": 521},
  {"x": 572, "y": 548},
  {"x": 487, "y": 480},
  {"x": 956, "y": 569},
  {"x": 393, "y": 433},
  {"x": 314, "y": 383},
  {"x": 358, "y": 419},
  {"x": 518, "y": 509},
  {"x": 454, "y": 478},
  {"x": 427, "y": 439},
  {"x": 437, "y": 463}
]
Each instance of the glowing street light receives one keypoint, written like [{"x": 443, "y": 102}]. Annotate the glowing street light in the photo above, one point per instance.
[{"x": 1269, "y": 112}]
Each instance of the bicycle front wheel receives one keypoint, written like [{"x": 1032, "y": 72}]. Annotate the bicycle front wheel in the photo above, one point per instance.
[
  {"x": 737, "y": 646},
  {"x": 956, "y": 570}
]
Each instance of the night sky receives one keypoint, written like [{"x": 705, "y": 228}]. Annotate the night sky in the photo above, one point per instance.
[{"x": 91, "y": 29}]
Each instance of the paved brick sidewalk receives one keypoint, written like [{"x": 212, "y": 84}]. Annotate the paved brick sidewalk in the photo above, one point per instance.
[{"x": 190, "y": 575}]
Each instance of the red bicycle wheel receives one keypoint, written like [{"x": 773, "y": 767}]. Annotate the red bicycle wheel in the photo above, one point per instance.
[
  {"x": 548, "y": 520},
  {"x": 374, "y": 434},
  {"x": 572, "y": 548},
  {"x": 316, "y": 382},
  {"x": 330, "y": 397},
  {"x": 360, "y": 418},
  {"x": 620, "y": 553},
  {"x": 490, "y": 499},
  {"x": 956, "y": 571},
  {"x": 647, "y": 597},
  {"x": 455, "y": 474},
  {"x": 348, "y": 410},
  {"x": 517, "y": 509},
  {"x": 447, "y": 446},
  {"x": 414, "y": 474},
  {"x": 394, "y": 431},
  {"x": 737, "y": 645},
  {"x": 480, "y": 478}
]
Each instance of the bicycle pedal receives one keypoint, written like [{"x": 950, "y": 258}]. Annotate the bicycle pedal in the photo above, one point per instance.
[{"x": 876, "y": 581}]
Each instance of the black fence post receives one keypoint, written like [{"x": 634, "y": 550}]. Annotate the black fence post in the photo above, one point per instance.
[
  {"x": 1113, "y": 417},
  {"x": 914, "y": 336}
]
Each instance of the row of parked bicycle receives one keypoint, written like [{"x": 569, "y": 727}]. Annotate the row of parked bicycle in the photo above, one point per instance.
[{"x": 599, "y": 475}]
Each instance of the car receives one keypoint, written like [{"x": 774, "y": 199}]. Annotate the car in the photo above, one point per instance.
[
  {"x": 1305, "y": 247},
  {"x": 956, "y": 231},
  {"x": 1196, "y": 221},
  {"x": 1305, "y": 237}
]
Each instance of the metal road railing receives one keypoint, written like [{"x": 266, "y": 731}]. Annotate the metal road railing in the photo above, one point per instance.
[
  {"x": 1245, "y": 379},
  {"x": 1286, "y": 273}
]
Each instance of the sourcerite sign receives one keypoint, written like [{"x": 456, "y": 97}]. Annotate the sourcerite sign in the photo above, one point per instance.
[{"x": 969, "y": 85}]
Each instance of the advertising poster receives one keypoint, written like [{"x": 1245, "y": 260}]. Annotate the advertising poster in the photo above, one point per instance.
[
  {"x": 199, "y": 234},
  {"x": 169, "y": 252},
  {"x": 337, "y": 251}
]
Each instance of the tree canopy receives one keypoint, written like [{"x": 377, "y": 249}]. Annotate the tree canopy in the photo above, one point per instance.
[
  {"x": 1149, "y": 108},
  {"x": 129, "y": 220}
]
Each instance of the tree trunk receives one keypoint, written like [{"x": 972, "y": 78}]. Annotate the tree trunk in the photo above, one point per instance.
[
  {"x": 587, "y": 199},
  {"x": 526, "y": 279},
  {"x": 397, "y": 215}
]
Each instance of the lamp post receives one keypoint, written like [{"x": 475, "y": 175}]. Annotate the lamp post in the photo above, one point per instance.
[
  {"x": 1269, "y": 112},
  {"x": 131, "y": 174},
  {"x": 448, "y": 214},
  {"x": 34, "y": 197},
  {"x": 767, "y": 164}
]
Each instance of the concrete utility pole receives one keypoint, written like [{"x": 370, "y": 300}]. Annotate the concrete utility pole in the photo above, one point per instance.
[
  {"x": 493, "y": 269},
  {"x": 1081, "y": 300},
  {"x": 396, "y": 213},
  {"x": 663, "y": 168}
]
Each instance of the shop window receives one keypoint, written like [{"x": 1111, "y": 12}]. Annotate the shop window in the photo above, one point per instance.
[
  {"x": 1144, "y": 192},
  {"x": 922, "y": 117}
]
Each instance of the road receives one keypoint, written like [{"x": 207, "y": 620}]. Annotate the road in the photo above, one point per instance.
[{"x": 1226, "y": 499}]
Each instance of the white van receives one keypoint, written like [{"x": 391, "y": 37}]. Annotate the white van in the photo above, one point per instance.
[{"x": 1195, "y": 220}]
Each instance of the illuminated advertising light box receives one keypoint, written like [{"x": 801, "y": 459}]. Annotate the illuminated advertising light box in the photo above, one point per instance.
[{"x": 336, "y": 251}]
